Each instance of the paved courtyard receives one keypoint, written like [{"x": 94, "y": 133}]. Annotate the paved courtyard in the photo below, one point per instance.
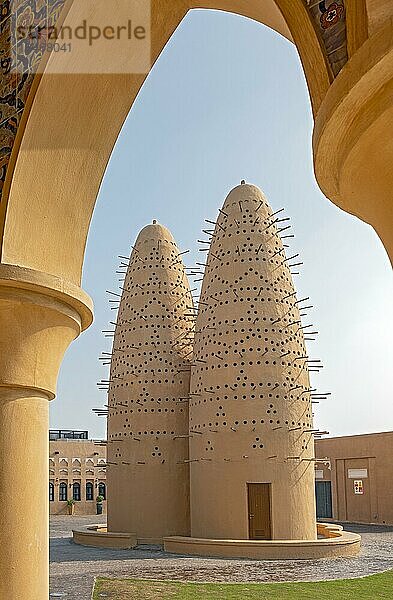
[{"x": 73, "y": 568}]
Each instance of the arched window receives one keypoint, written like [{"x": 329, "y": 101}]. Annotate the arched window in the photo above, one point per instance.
[
  {"x": 102, "y": 490},
  {"x": 76, "y": 491},
  {"x": 63, "y": 492},
  {"x": 51, "y": 492},
  {"x": 89, "y": 491}
]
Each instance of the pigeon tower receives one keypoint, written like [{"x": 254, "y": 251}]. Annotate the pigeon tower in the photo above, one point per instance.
[
  {"x": 251, "y": 444},
  {"x": 148, "y": 468}
]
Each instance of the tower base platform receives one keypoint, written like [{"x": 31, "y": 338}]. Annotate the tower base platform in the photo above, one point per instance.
[
  {"x": 332, "y": 542},
  {"x": 98, "y": 537}
]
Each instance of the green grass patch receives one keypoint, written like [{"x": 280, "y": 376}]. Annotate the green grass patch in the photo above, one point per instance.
[{"x": 372, "y": 587}]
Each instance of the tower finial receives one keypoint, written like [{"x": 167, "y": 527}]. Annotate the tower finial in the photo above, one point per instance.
[
  {"x": 154, "y": 222},
  {"x": 243, "y": 181}
]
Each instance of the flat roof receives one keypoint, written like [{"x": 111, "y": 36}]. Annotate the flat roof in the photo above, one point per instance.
[{"x": 339, "y": 437}]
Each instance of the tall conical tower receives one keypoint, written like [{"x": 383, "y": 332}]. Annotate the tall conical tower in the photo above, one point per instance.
[
  {"x": 252, "y": 474},
  {"x": 148, "y": 469}
]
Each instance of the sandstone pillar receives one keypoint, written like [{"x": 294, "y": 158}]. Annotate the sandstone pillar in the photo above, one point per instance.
[
  {"x": 40, "y": 315},
  {"x": 352, "y": 138}
]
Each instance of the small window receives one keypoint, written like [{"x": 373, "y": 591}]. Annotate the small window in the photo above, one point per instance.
[
  {"x": 102, "y": 490},
  {"x": 89, "y": 491},
  {"x": 63, "y": 492},
  {"x": 51, "y": 492},
  {"x": 76, "y": 491}
]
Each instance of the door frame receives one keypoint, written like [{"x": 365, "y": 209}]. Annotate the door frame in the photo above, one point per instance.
[
  {"x": 269, "y": 483},
  {"x": 318, "y": 486}
]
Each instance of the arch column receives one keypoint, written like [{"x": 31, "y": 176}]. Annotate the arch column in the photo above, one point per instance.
[
  {"x": 352, "y": 139},
  {"x": 40, "y": 315}
]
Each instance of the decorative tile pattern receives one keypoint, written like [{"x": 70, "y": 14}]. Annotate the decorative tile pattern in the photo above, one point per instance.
[
  {"x": 329, "y": 20},
  {"x": 5, "y": 9},
  {"x": 8, "y": 131},
  {"x": 18, "y": 62}
]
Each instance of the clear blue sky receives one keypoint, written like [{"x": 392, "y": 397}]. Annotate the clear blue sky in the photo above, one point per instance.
[{"x": 228, "y": 101}]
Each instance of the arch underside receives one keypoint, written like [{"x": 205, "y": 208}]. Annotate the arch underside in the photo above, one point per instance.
[
  {"x": 63, "y": 142},
  {"x": 56, "y": 146}
]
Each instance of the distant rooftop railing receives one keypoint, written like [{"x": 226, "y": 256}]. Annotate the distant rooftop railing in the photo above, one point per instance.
[{"x": 67, "y": 434}]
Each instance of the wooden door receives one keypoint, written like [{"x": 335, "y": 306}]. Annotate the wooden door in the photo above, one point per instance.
[
  {"x": 323, "y": 494},
  {"x": 259, "y": 522}
]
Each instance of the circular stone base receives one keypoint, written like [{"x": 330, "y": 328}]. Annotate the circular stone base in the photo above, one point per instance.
[
  {"x": 334, "y": 542},
  {"x": 99, "y": 537}
]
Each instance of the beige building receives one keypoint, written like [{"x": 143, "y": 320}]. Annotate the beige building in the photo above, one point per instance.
[
  {"x": 354, "y": 480},
  {"x": 77, "y": 470}
]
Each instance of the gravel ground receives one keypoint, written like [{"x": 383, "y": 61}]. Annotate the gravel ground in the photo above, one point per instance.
[{"x": 73, "y": 568}]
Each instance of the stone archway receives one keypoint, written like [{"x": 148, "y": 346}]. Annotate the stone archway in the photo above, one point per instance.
[
  {"x": 67, "y": 134},
  {"x": 55, "y": 150}
]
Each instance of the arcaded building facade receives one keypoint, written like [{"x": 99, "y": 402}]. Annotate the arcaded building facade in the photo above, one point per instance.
[
  {"x": 77, "y": 471},
  {"x": 210, "y": 430}
]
